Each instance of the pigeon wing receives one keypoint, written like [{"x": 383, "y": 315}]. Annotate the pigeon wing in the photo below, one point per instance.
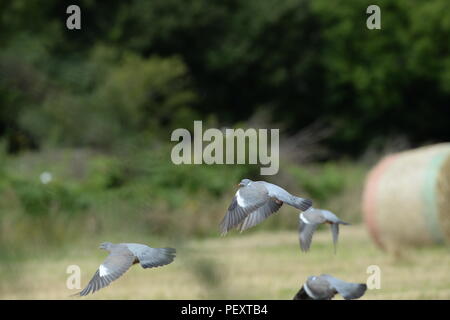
[
  {"x": 346, "y": 289},
  {"x": 306, "y": 230},
  {"x": 114, "y": 266},
  {"x": 155, "y": 257},
  {"x": 282, "y": 195},
  {"x": 260, "y": 214},
  {"x": 246, "y": 200},
  {"x": 308, "y": 223},
  {"x": 335, "y": 232}
]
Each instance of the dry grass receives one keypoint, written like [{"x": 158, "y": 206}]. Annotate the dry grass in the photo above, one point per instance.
[{"x": 255, "y": 265}]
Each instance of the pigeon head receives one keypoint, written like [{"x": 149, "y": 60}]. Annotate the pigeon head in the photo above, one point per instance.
[
  {"x": 245, "y": 182},
  {"x": 105, "y": 246}
]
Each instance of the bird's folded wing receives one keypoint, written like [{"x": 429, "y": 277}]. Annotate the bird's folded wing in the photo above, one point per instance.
[
  {"x": 346, "y": 289},
  {"x": 246, "y": 200},
  {"x": 115, "y": 265},
  {"x": 156, "y": 257},
  {"x": 260, "y": 214}
]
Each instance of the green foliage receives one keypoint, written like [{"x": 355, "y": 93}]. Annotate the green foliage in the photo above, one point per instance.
[
  {"x": 321, "y": 184},
  {"x": 139, "y": 68},
  {"x": 39, "y": 199},
  {"x": 144, "y": 94},
  {"x": 391, "y": 80},
  {"x": 104, "y": 173},
  {"x": 113, "y": 103},
  {"x": 112, "y": 186},
  {"x": 169, "y": 181},
  {"x": 328, "y": 181}
]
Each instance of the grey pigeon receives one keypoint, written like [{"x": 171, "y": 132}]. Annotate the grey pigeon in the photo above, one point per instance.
[
  {"x": 121, "y": 257},
  {"x": 311, "y": 219},
  {"x": 255, "y": 201},
  {"x": 325, "y": 287}
]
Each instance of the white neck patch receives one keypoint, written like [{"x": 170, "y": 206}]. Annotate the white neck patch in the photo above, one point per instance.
[{"x": 309, "y": 292}]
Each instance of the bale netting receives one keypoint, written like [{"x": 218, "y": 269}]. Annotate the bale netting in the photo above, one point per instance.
[{"x": 406, "y": 199}]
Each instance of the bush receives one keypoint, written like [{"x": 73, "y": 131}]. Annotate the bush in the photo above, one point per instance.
[
  {"x": 42, "y": 199},
  {"x": 104, "y": 172}
]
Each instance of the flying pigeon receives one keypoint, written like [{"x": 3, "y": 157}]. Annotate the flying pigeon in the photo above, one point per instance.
[
  {"x": 325, "y": 287},
  {"x": 255, "y": 201},
  {"x": 121, "y": 257},
  {"x": 311, "y": 219}
]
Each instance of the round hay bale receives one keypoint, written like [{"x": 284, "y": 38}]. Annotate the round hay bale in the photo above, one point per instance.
[{"x": 406, "y": 199}]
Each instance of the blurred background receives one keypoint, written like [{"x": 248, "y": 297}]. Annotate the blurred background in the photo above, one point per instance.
[{"x": 86, "y": 117}]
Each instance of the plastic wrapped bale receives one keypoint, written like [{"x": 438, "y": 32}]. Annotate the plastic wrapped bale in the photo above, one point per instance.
[{"x": 406, "y": 199}]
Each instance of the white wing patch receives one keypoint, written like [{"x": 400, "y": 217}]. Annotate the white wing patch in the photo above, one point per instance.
[
  {"x": 240, "y": 200},
  {"x": 302, "y": 217},
  {"x": 103, "y": 271}
]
